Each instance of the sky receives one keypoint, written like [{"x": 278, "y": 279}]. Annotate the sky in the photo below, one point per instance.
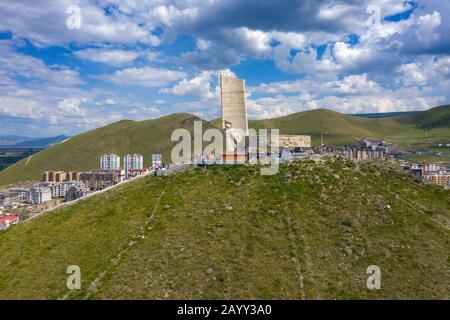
[{"x": 67, "y": 66}]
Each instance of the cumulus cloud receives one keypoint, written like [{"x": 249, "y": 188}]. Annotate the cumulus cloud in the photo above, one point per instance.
[
  {"x": 145, "y": 77},
  {"x": 45, "y": 24},
  {"x": 426, "y": 25},
  {"x": 112, "y": 57},
  {"x": 201, "y": 86},
  {"x": 419, "y": 86}
]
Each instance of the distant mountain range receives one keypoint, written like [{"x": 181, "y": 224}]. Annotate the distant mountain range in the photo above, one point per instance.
[
  {"x": 381, "y": 114},
  {"x": 27, "y": 142},
  {"x": 82, "y": 152}
]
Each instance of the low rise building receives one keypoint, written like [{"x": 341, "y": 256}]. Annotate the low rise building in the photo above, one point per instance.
[
  {"x": 7, "y": 221},
  {"x": 22, "y": 193},
  {"x": 100, "y": 179},
  {"x": 291, "y": 141},
  {"x": 375, "y": 144},
  {"x": 9, "y": 198},
  {"x": 59, "y": 189},
  {"x": 60, "y": 176},
  {"x": 285, "y": 154},
  {"x": 439, "y": 178},
  {"x": 76, "y": 192}
]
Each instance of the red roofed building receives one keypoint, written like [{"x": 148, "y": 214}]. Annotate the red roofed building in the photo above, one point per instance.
[{"x": 6, "y": 221}]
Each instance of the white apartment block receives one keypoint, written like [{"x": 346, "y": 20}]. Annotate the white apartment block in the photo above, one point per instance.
[
  {"x": 59, "y": 189},
  {"x": 133, "y": 162},
  {"x": 39, "y": 195},
  {"x": 110, "y": 162}
]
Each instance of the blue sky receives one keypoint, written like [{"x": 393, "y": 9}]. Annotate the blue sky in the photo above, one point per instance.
[{"x": 74, "y": 65}]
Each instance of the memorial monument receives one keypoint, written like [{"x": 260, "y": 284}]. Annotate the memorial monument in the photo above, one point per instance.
[{"x": 234, "y": 117}]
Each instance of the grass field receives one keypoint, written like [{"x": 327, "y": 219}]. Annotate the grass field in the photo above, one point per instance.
[{"x": 229, "y": 233}]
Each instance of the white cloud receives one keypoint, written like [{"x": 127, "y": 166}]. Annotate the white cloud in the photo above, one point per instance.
[
  {"x": 412, "y": 74},
  {"x": 72, "y": 106},
  {"x": 168, "y": 15},
  {"x": 200, "y": 86},
  {"x": 45, "y": 24},
  {"x": 354, "y": 93},
  {"x": 14, "y": 64},
  {"x": 108, "y": 56},
  {"x": 351, "y": 57},
  {"x": 426, "y": 25},
  {"x": 308, "y": 62},
  {"x": 146, "y": 77}
]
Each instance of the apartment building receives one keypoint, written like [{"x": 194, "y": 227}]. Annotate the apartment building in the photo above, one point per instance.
[
  {"x": 439, "y": 178},
  {"x": 110, "y": 162},
  {"x": 8, "y": 198},
  {"x": 361, "y": 154},
  {"x": 100, "y": 179},
  {"x": 76, "y": 192},
  {"x": 22, "y": 193},
  {"x": 59, "y": 189},
  {"x": 38, "y": 195},
  {"x": 60, "y": 176},
  {"x": 133, "y": 163}
]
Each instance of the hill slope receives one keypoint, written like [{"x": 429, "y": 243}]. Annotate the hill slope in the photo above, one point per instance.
[
  {"x": 341, "y": 129},
  {"x": 438, "y": 117},
  {"x": 83, "y": 152},
  {"x": 308, "y": 232}
]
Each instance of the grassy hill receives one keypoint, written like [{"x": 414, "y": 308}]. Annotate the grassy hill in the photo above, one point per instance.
[
  {"x": 342, "y": 128},
  {"x": 83, "y": 151},
  {"x": 229, "y": 233},
  {"x": 438, "y": 117}
]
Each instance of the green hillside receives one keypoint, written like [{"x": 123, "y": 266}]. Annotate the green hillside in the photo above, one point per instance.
[
  {"x": 342, "y": 129},
  {"x": 309, "y": 232},
  {"x": 438, "y": 117},
  {"x": 83, "y": 152}
]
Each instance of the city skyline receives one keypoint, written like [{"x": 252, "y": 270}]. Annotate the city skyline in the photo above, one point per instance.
[{"x": 138, "y": 60}]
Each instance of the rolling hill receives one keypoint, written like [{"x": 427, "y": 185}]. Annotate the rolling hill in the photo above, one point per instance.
[
  {"x": 309, "y": 232},
  {"x": 82, "y": 152},
  {"x": 342, "y": 129},
  {"x": 438, "y": 117}
]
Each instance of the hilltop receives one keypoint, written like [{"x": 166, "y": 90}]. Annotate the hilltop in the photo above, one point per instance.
[
  {"x": 229, "y": 233},
  {"x": 342, "y": 129}
]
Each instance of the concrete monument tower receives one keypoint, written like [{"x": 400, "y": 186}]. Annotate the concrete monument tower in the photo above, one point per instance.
[{"x": 234, "y": 116}]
